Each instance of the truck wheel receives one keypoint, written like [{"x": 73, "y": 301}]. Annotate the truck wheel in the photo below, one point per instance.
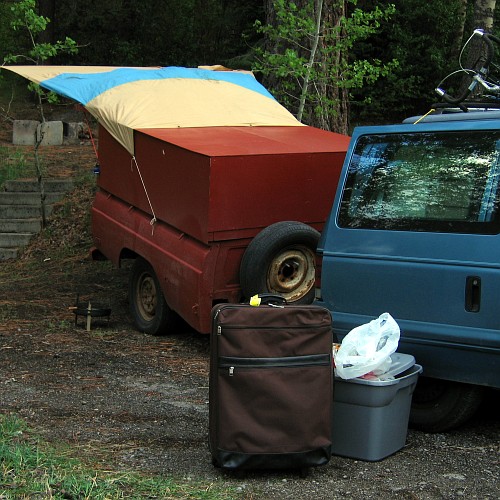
[
  {"x": 440, "y": 405},
  {"x": 281, "y": 259},
  {"x": 149, "y": 310}
]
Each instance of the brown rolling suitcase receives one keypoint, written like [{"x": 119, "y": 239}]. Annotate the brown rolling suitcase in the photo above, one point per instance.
[{"x": 271, "y": 386}]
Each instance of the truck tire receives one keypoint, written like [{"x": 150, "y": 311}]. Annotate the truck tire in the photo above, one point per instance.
[
  {"x": 281, "y": 259},
  {"x": 148, "y": 307},
  {"x": 440, "y": 405}
]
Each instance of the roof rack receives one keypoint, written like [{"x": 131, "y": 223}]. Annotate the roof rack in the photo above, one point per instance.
[
  {"x": 443, "y": 112},
  {"x": 445, "y": 108}
]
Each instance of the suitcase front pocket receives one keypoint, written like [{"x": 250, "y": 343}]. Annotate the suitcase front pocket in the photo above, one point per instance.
[
  {"x": 274, "y": 405},
  {"x": 232, "y": 362},
  {"x": 257, "y": 332}
]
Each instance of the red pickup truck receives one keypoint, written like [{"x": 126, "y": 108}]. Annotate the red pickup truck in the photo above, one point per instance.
[{"x": 214, "y": 215}]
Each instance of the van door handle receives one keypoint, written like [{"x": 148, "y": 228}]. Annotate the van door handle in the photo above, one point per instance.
[{"x": 472, "y": 293}]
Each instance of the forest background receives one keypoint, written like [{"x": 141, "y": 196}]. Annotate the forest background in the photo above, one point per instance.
[{"x": 333, "y": 63}]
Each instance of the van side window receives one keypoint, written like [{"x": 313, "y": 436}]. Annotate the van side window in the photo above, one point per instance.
[{"x": 430, "y": 181}]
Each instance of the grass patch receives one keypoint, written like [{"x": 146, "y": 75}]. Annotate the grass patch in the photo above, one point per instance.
[
  {"x": 14, "y": 164},
  {"x": 30, "y": 468}
]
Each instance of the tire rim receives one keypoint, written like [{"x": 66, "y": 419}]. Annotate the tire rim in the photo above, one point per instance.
[
  {"x": 147, "y": 297},
  {"x": 292, "y": 273}
]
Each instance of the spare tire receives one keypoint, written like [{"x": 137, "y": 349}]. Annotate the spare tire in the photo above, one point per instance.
[{"x": 281, "y": 259}]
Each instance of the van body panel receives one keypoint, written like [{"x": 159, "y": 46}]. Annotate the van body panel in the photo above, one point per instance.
[{"x": 423, "y": 246}]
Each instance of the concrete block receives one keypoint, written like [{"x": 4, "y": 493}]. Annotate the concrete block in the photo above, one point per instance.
[
  {"x": 33, "y": 226},
  {"x": 8, "y": 253},
  {"x": 73, "y": 132},
  {"x": 30, "y": 186},
  {"x": 27, "y": 199},
  {"x": 14, "y": 240},
  {"x": 24, "y": 132},
  {"x": 21, "y": 212},
  {"x": 50, "y": 133}
]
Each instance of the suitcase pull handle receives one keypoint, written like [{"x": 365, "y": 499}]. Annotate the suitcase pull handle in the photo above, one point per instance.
[{"x": 270, "y": 299}]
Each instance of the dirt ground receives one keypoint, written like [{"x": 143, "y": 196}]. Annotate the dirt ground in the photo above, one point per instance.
[{"x": 128, "y": 401}]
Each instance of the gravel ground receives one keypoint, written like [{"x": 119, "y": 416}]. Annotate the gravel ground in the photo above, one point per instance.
[{"x": 129, "y": 401}]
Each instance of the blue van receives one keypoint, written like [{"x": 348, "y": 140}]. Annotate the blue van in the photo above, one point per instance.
[{"x": 415, "y": 231}]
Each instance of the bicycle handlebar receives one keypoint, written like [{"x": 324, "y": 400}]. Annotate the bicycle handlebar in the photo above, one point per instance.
[{"x": 477, "y": 75}]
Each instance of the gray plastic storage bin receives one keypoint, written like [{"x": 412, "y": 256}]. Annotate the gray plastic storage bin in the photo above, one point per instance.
[{"x": 370, "y": 417}]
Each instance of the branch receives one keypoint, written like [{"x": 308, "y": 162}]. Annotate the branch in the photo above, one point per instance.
[
  {"x": 314, "y": 48},
  {"x": 14, "y": 59},
  {"x": 6, "y": 112}
]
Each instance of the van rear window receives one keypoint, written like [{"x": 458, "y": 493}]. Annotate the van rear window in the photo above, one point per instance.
[{"x": 429, "y": 181}]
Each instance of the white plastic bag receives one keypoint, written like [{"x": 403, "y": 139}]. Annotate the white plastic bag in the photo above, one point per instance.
[{"x": 368, "y": 348}]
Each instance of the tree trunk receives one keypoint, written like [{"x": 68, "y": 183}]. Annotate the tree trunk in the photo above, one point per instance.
[
  {"x": 338, "y": 121},
  {"x": 483, "y": 14},
  {"x": 334, "y": 11},
  {"x": 271, "y": 81},
  {"x": 457, "y": 42},
  {"x": 318, "y": 13},
  {"x": 483, "y": 18}
]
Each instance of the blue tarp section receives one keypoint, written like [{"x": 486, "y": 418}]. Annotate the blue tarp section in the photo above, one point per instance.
[{"x": 83, "y": 87}]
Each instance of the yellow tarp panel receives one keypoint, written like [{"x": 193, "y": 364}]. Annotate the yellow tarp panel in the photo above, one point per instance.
[{"x": 124, "y": 99}]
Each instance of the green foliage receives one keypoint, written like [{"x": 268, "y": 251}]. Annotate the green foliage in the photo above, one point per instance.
[
  {"x": 25, "y": 18},
  {"x": 420, "y": 37},
  {"x": 288, "y": 59},
  {"x": 14, "y": 164},
  {"x": 31, "y": 469},
  {"x": 158, "y": 32},
  {"x": 291, "y": 64},
  {"x": 358, "y": 26},
  {"x": 8, "y": 41}
]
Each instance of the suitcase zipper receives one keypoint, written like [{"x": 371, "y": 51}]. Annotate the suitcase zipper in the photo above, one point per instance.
[
  {"x": 315, "y": 326},
  {"x": 231, "y": 363},
  {"x": 236, "y": 327},
  {"x": 214, "y": 322},
  {"x": 290, "y": 327}
]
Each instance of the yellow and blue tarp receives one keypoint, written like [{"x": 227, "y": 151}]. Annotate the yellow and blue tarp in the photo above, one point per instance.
[{"x": 124, "y": 99}]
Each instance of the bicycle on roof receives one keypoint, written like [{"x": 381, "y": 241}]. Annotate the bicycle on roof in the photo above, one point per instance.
[{"x": 480, "y": 76}]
